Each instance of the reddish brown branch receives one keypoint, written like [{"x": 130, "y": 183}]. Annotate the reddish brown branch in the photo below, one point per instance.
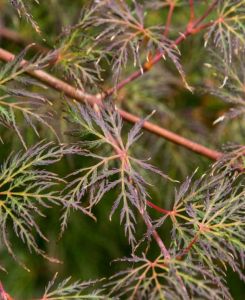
[
  {"x": 192, "y": 11},
  {"x": 204, "y": 26},
  {"x": 173, "y": 137},
  {"x": 189, "y": 246},
  {"x": 207, "y": 12},
  {"x": 161, "y": 244},
  {"x": 82, "y": 96},
  {"x": 159, "y": 209},
  {"x": 169, "y": 18},
  {"x": 156, "y": 237}
]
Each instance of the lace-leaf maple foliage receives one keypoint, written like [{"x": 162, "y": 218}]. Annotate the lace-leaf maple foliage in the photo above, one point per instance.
[
  {"x": 206, "y": 214},
  {"x": 207, "y": 236},
  {"x": 227, "y": 32},
  {"x": 72, "y": 290},
  {"x": 116, "y": 169},
  {"x": 183, "y": 252},
  {"x": 16, "y": 99},
  {"x": 23, "y": 10},
  {"x": 25, "y": 190},
  {"x": 231, "y": 86},
  {"x": 124, "y": 35}
]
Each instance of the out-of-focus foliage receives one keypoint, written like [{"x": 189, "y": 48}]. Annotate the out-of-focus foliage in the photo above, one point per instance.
[
  {"x": 23, "y": 11},
  {"x": 231, "y": 89},
  {"x": 227, "y": 32}
]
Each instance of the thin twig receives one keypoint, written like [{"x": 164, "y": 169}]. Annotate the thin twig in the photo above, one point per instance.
[
  {"x": 173, "y": 137},
  {"x": 192, "y": 11},
  {"x": 208, "y": 11},
  {"x": 189, "y": 246},
  {"x": 159, "y": 209},
  {"x": 156, "y": 236},
  {"x": 169, "y": 18},
  {"x": 82, "y": 96}
]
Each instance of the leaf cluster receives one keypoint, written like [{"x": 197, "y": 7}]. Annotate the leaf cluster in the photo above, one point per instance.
[
  {"x": 227, "y": 31},
  {"x": 17, "y": 100},
  {"x": 117, "y": 169}
]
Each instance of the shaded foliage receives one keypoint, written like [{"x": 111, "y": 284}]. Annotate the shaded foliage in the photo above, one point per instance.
[{"x": 227, "y": 31}]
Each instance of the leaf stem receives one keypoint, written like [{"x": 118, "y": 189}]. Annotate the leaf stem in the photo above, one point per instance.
[
  {"x": 189, "y": 246},
  {"x": 156, "y": 236},
  {"x": 207, "y": 12},
  {"x": 169, "y": 18},
  {"x": 192, "y": 11},
  {"x": 159, "y": 209}
]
